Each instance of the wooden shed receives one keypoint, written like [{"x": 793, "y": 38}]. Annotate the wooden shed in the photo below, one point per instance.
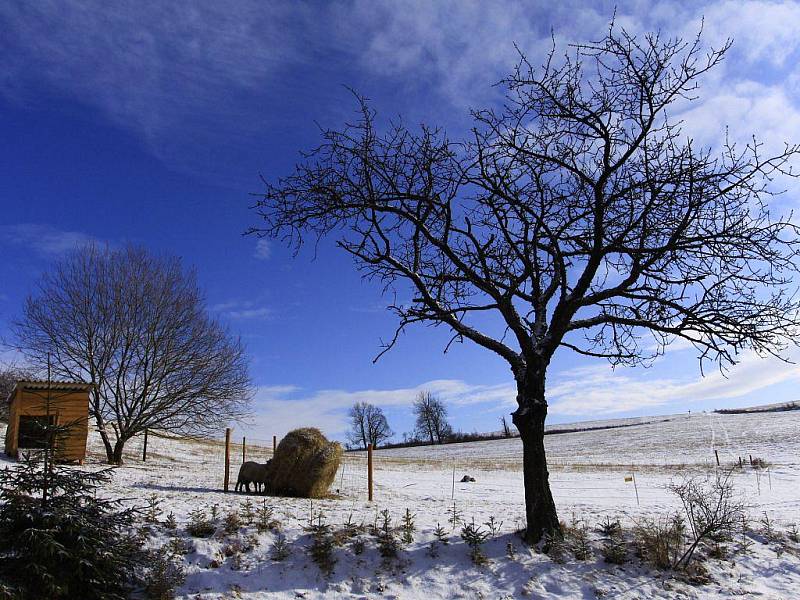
[{"x": 34, "y": 403}]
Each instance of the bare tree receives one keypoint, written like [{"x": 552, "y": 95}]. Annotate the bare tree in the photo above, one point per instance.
[
  {"x": 368, "y": 425},
  {"x": 578, "y": 213},
  {"x": 431, "y": 418},
  {"x": 506, "y": 427},
  {"x": 136, "y": 327}
]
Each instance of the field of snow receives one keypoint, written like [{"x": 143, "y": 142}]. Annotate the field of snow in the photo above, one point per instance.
[{"x": 588, "y": 472}]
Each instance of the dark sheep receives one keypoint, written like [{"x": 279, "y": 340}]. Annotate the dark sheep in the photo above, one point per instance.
[{"x": 255, "y": 473}]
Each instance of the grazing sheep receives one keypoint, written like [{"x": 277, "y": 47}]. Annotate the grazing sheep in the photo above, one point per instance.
[{"x": 252, "y": 472}]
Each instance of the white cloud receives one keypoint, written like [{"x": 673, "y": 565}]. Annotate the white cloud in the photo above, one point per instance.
[
  {"x": 43, "y": 239},
  {"x": 242, "y": 309},
  {"x": 593, "y": 391},
  {"x": 282, "y": 408},
  {"x": 597, "y": 390},
  {"x": 762, "y": 31},
  {"x": 263, "y": 250}
]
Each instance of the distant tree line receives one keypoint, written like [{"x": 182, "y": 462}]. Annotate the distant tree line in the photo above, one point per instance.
[{"x": 368, "y": 425}]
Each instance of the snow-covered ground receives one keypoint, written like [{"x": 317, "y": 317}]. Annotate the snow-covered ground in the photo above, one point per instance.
[{"x": 588, "y": 477}]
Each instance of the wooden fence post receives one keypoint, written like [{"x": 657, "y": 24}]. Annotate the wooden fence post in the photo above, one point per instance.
[
  {"x": 369, "y": 471},
  {"x": 274, "y": 443},
  {"x": 244, "y": 449},
  {"x": 144, "y": 449},
  {"x": 227, "y": 457}
]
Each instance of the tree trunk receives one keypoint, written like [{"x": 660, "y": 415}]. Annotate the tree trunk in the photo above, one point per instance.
[
  {"x": 116, "y": 458},
  {"x": 106, "y": 443},
  {"x": 540, "y": 509}
]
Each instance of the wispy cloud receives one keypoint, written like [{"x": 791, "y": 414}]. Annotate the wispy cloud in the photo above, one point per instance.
[
  {"x": 242, "y": 309},
  {"x": 597, "y": 390},
  {"x": 584, "y": 392},
  {"x": 43, "y": 239},
  {"x": 263, "y": 250},
  {"x": 158, "y": 69},
  {"x": 282, "y": 408}
]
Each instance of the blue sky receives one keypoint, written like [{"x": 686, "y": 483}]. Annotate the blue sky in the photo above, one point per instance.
[{"x": 151, "y": 122}]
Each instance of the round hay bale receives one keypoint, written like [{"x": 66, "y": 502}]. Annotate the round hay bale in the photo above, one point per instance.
[{"x": 304, "y": 464}]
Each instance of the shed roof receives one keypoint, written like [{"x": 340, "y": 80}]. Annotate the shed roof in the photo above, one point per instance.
[{"x": 61, "y": 386}]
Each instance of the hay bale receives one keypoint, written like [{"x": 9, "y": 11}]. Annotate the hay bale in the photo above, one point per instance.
[{"x": 304, "y": 464}]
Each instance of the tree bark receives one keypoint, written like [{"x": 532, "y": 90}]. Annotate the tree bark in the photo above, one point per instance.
[
  {"x": 106, "y": 444},
  {"x": 116, "y": 459},
  {"x": 529, "y": 418}
]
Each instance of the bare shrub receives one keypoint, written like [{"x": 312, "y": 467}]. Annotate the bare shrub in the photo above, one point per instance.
[
  {"x": 660, "y": 542},
  {"x": 712, "y": 512}
]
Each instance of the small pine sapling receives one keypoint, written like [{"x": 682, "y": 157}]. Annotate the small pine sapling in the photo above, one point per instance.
[
  {"x": 164, "y": 577},
  {"x": 793, "y": 534},
  {"x": 199, "y": 526},
  {"x": 493, "y": 525},
  {"x": 555, "y": 546},
  {"x": 610, "y": 528},
  {"x": 441, "y": 535},
  {"x": 358, "y": 546},
  {"x": 455, "y": 516},
  {"x": 280, "y": 549},
  {"x": 232, "y": 523},
  {"x": 246, "y": 513},
  {"x": 388, "y": 546},
  {"x": 746, "y": 540},
  {"x": 408, "y": 527},
  {"x": 178, "y": 546},
  {"x": 264, "y": 520},
  {"x": 321, "y": 549},
  {"x": 511, "y": 551},
  {"x": 153, "y": 509},
  {"x": 170, "y": 522},
  {"x": 768, "y": 527},
  {"x": 475, "y": 537},
  {"x": 581, "y": 549}
]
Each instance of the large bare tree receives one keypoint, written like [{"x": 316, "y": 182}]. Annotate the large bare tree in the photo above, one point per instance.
[
  {"x": 368, "y": 425},
  {"x": 578, "y": 212},
  {"x": 135, "y": 326},
  {"x": 430, "y": 415}
]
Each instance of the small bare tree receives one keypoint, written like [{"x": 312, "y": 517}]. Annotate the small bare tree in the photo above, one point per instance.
[
  {"x": 431, "y": 418},
  {"x": 368, "y": 425},
  {"x": 712, "y": 511},
  {"x": 577, "y": 214},
  {"x": 506, "y": 427},
  {"x": 135, "y": 326}
]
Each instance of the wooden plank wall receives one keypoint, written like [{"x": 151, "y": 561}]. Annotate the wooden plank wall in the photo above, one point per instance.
[{"x": 68, "y": 406}]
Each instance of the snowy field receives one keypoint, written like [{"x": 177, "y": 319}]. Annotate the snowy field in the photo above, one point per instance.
[{"x": 588, "y": 477}]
